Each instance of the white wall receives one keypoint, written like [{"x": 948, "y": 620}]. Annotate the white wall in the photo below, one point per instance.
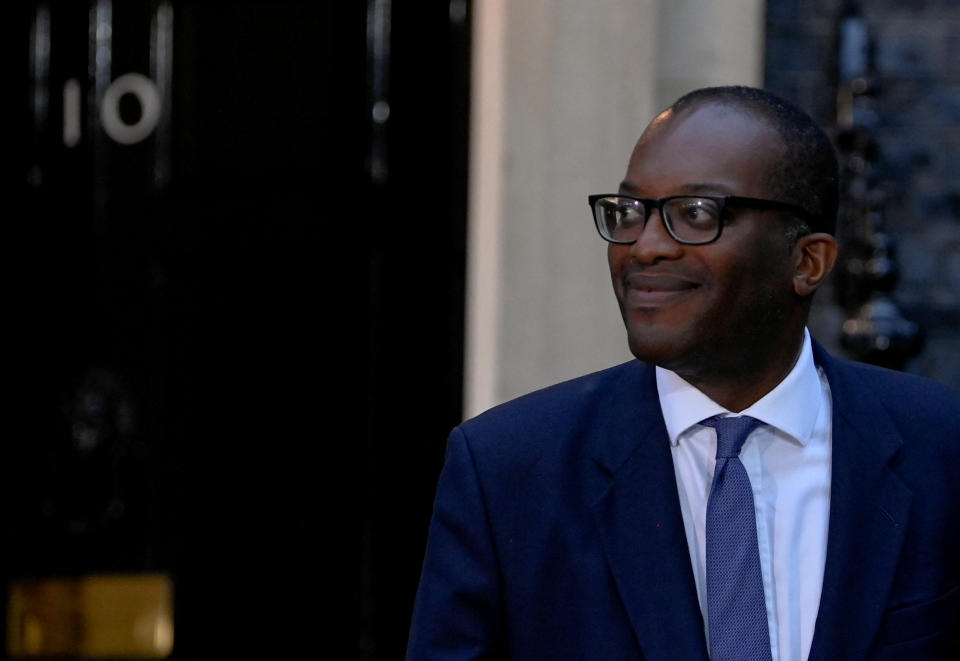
[{"x": 561, "y": 91}]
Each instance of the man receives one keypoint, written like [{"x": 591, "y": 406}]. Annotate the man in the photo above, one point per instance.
[{"x": 735, "y": 492}]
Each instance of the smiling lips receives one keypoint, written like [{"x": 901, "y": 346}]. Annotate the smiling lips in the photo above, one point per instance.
[{"x": 649, "y": 289}]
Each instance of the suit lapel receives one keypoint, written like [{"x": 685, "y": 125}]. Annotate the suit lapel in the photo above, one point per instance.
[
  {"x": 641, "y": 526},
  {"x": 869, "y": 512}
]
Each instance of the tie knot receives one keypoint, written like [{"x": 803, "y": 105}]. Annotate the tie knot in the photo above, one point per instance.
[{"x": 731, "y": 433}]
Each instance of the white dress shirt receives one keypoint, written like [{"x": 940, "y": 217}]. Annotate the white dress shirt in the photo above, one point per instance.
[{"x": 788, "y": 463}]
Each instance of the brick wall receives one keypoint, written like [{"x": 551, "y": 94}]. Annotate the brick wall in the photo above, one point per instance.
[{"x": 914, "y": 115}]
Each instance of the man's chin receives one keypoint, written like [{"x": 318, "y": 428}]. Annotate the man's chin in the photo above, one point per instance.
[{"x": 654, "y": 348}]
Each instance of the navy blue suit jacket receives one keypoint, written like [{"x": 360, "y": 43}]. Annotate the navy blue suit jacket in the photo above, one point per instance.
[{"x": 557, "y": 531}]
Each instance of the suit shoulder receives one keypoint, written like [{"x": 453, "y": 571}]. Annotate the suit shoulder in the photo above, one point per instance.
[
  {"x": 561, "y": 399},
  {"x": 551, "y": 415},
  {"x": 925, "y": 414},
  {"x": 901, "y": 393}
]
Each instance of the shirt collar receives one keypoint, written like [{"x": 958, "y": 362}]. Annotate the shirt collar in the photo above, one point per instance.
[{"x": 792, "y": 406}]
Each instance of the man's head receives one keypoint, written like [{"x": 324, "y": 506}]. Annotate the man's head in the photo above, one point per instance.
[{"x": 733, "y": 308}]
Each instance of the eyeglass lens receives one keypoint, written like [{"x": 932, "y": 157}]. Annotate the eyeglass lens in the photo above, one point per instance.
[{"x": 690, "y": 219}]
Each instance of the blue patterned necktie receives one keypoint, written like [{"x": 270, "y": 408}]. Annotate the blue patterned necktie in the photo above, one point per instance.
[{"x": 736, "y": 611}]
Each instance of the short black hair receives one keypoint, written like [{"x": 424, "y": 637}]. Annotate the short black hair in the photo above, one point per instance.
[{"x": 807, "y": 174}]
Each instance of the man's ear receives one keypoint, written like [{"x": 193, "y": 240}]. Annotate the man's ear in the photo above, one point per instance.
[{"x": 814, "y": 257}]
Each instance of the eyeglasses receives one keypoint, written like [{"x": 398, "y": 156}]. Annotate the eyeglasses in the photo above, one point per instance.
[{"x": 690, "y": 219}]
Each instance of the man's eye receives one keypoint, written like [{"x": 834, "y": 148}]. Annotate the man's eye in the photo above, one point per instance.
[
  {"x": 630, "y": 213},
  {"x": 698, "y": 213}
]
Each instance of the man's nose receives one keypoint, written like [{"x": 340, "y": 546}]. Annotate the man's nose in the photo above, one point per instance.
[{"x": 655, "y": 242}]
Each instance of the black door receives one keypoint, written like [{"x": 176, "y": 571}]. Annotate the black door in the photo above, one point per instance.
[{"x": 236, "y": 268}]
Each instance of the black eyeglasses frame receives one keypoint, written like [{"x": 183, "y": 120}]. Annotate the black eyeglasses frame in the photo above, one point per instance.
[{"x": 722, "y": 202}]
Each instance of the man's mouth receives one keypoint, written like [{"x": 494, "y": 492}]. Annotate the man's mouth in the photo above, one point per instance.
[{"x": 649, "y": 289}]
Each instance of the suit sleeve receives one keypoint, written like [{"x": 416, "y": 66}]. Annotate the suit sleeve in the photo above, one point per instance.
[{"x": 457, "y": 614}]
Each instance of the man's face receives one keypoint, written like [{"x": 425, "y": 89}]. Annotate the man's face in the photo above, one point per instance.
[{"x": 703, "y": 310}]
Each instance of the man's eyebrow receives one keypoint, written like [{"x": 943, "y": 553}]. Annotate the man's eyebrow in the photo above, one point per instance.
[
  {"x": 706, "y": 187},
  {"x": 699, "y": 187}
]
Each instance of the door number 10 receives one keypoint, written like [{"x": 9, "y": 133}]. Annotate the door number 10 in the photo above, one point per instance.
[{"x": 138, "y": 85}]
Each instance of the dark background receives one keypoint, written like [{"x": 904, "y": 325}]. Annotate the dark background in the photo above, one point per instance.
[
  {"x": 243, "y": 376},
  {"x": 911, "y": 113}
]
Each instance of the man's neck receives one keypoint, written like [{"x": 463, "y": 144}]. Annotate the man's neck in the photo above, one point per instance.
[{"x": 737, "y": 388}]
